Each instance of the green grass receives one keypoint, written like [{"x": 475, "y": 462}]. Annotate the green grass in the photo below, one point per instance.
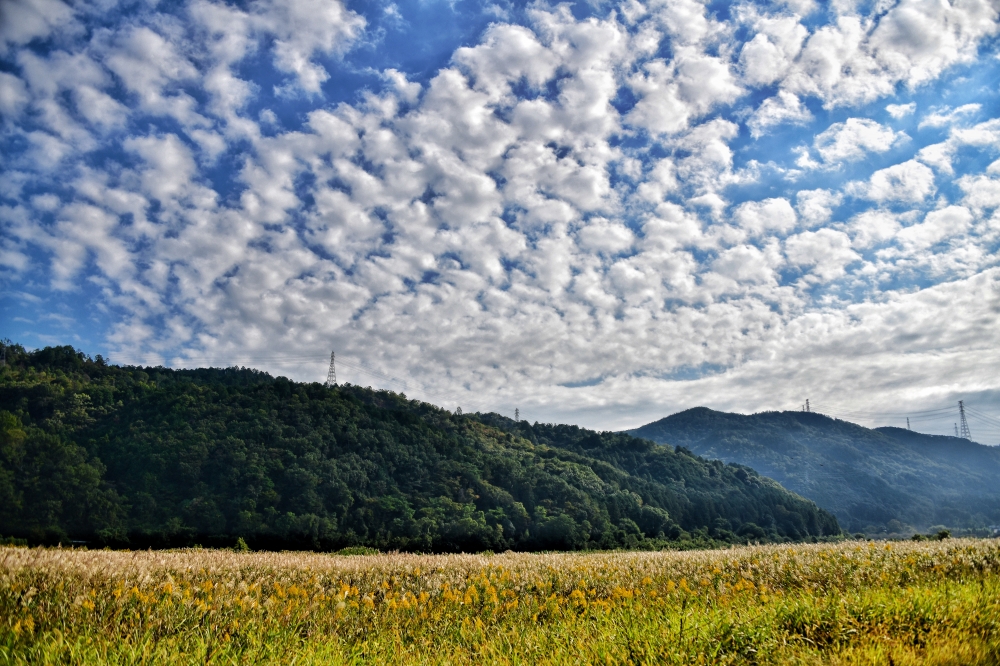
[{"x": 849, "y": 603}]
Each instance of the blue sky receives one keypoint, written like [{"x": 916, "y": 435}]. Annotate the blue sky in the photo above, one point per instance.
[{"x": 595, "y": 212}]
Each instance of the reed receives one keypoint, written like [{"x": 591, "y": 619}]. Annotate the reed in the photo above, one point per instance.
[{"x": 845, "y": 603}]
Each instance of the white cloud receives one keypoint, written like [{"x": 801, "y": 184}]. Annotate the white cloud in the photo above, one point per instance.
[
  {"x": 24, "y": 20},
  {"x": 899, "y": 111},
  {"x": 853, "y": 138},
  {"x": 909, "y": 182},
  {"x": 770, "y": 215},
  {"x": 769, "y": 55},
  {"x": 605, "y": 237},
  {"x": 981, "y": 191},
  {"x": 826, "y": 253},
  {"x": 937, "y": 226},
  {"x": 676, "y": 93},
  {"x": 512, "y": 215},
  {"x": 848, "y": 62},
  {"x": 948, "y": 116},
  {"x": 13, "y": 95},
  {"x": 873, "y": 227},
  {"x": 816, "y": 206},
  {"x": 744, "y": 263},
  {"x": 917, "y": 39},
  {"x": 785, "y": 107},
  {"x": 985, "y": 135},
  {"x": 507, "y": 55},
  {"x": 304, "y": 29},
  {"x": 169, "y": 166}
]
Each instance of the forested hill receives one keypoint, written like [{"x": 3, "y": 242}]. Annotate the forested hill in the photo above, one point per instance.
[
  {"x": 155, "y": 457},
  {"x": 872, "y": 480}
]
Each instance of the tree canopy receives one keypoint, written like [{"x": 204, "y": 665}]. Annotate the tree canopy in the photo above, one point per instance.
[{"x": 139, "y": 457}]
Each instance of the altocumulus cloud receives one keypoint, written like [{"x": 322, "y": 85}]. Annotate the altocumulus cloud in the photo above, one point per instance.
[{"x": 599, "y": 212}]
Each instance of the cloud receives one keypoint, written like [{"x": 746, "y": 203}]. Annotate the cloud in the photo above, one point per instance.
[
  {"x": 502, "y": 209},
  {"x": 13, "y": 95},
  {"x": 873, "y": 227},
  {"x": 948, "y": 116},
  {"x": 985, "y": 135},
  {"x": 303, "y": 29},
  {"x": 769, "y": 215},
  {"x": 22, "y": 21},
  {"x": 825, "y": 253},
  {"x": 899, "y": 111},
  {"x": 908, "y": 182},
  {"x": 744, "y": 263},
  {"x": 853, "y": 138},
  {"x": 981, "y": 190},
  {"x": 770, "y": 54},
  {"x": 816, "y": 206},
  {"x": 937, "y": 226},
  {"x": 785, "y": 107}
]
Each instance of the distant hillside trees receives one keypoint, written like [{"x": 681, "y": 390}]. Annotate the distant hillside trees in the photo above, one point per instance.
[
  {"x": 143, "y": 457},
  {"x": 887, "y": 479}
]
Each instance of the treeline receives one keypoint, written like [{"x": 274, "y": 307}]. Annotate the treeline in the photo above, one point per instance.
[{"x": 152, "y": 457}]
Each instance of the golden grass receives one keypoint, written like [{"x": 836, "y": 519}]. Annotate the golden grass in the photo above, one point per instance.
[{"x": 848, "y": 603}]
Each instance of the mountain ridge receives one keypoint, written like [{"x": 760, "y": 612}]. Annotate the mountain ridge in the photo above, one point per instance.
[{"x": 866, "y": 477}]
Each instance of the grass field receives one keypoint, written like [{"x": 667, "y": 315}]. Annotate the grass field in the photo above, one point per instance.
[{"x": 848, "y": 603}]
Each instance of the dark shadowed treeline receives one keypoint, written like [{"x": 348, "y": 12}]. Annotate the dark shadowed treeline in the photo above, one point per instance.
[{"x": 142, "y": 457}]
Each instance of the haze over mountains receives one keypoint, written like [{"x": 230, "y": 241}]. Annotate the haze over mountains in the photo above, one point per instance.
[{"x": 871, "y": 479}]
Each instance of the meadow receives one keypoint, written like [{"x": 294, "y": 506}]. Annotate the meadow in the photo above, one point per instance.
[{"x": 852, "y": 602}]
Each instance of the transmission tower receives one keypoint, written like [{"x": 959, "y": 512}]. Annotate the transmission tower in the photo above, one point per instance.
[
  {"x": 331, "y": 375},
  {"x": 908, "y": 423},
  {"x": 961, "y": 418},
  {"x": 956, "y": 430},
  {"x": 517, "y": 414},
  {"x": 808, "y": 409}
]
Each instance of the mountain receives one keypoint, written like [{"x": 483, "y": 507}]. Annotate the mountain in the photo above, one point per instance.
[
  {"x": 156, "y": 457},
  {"x": 872, "y": 480}
]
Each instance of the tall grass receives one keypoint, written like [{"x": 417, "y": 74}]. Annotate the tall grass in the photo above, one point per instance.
[{"x": 848, "y": 603}]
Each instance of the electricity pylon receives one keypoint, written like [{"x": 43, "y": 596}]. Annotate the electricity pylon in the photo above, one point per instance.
[
  {"x": 331, "y": 374},
  {"x": 961, "y": 419}
]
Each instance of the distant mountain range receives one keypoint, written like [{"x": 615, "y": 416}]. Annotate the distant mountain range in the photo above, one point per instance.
[
  {"x": 871, "y": 479},
  {"x": 140, "y": 457}
]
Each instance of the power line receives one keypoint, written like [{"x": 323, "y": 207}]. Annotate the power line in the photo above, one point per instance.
[{"x": 983, "y": 417}]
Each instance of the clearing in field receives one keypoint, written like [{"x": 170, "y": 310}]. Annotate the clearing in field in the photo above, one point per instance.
[{"x": 847, "y": 603}]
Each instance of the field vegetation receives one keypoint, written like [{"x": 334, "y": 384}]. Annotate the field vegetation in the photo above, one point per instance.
[{"x": 854, "y": 602}]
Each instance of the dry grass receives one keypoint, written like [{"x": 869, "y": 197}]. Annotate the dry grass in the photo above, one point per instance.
[{"x": 849, "y": 603}]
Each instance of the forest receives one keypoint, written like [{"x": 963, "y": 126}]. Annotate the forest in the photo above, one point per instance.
[
  {"x": 106, "y": 455},
  {"x": 874, "y": 480}
]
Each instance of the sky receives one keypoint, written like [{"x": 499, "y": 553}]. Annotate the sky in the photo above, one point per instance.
[{"x": 598, "y": 213}]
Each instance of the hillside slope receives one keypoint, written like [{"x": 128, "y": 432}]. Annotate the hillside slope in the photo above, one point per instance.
[
  {"x": 150, "y": 456},
  {"x": 867, "y": 478}
]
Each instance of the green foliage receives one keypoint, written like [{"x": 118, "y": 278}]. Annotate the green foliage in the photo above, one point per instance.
[
  {"x": 881, "y": 480},
  {"x": 151, "y": 457},
  {"x": 358, "y": 550}
]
